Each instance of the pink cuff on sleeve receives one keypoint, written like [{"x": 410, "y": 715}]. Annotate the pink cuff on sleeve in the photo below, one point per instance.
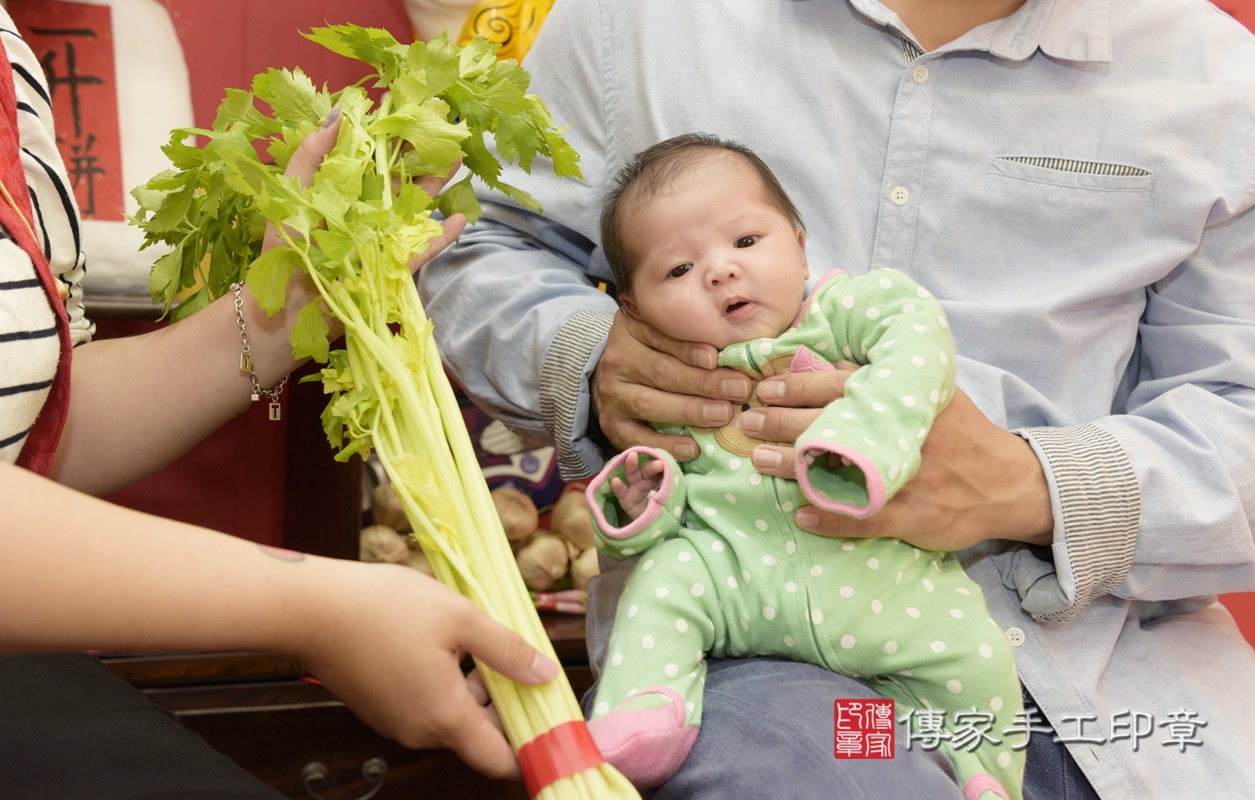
[
  {"x": 657, "y": 499},
  {"x": 820, "y": 448}
]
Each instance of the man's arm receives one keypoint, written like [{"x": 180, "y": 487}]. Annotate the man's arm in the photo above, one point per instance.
[
  {"x": 1189, "y": 424},
  {"x": 522, "y": 325},
  {"x": 518, "y": 313}
]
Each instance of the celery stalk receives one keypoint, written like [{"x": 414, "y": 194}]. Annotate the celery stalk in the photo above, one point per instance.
[{"x": 353, "y": 231}]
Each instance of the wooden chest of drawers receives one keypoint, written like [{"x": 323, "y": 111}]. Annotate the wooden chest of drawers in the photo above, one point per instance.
[{"x": 263, "y": 712}]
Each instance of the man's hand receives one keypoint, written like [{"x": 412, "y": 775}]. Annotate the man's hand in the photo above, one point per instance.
[
  {"x": 976, "y": 481},
  {"x": 645, "y": 376}
]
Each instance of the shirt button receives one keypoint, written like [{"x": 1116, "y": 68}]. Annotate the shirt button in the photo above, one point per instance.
[
  {"x": 1015, "y": 636},
  {"x": 899, "y": 195},
  {"x": 920, "y": 74}
]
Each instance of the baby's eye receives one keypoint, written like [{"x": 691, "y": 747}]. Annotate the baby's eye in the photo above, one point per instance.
[
  {"x": 680, "y": 271},
  {"x": 746, "y": 241}
]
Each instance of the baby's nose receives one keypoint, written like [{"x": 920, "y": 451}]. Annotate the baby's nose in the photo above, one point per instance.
[{"x": 723, "y": 272}]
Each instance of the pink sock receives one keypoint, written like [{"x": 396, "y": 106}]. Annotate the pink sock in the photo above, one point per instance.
[
  {"x": 980, "y": 783},
  {"x": 646, "y": 745}
]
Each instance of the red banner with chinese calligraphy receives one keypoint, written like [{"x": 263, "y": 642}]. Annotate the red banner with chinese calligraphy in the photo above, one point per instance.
[{"x": 74, "y": 44}]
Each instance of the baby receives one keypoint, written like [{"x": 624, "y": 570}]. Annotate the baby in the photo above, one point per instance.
[{"x": 706, "y": 246}]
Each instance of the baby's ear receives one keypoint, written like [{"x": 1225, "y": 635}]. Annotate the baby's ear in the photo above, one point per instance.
[
  {"x": 629, "y": 306},
  {"x": 801, "y": 243}
]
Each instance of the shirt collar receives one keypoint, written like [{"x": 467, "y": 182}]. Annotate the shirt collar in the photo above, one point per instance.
[{"x": 1070, "y": 30}]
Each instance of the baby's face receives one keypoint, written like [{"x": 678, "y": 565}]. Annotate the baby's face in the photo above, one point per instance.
[{"x": 714, "y": 261}]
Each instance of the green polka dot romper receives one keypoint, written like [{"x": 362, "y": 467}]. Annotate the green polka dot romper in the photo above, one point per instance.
[{"x": 723, "y": 571}]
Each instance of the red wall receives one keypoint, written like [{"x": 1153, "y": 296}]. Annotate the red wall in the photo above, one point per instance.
[
  {"x": 227, "y": 42},
  {"x": 1242, "y": 10}
]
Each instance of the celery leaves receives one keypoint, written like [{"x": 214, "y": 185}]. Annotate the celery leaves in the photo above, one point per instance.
[{"x": 442, "y": 101}]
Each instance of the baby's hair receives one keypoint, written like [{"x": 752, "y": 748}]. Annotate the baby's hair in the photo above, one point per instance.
[{"x": 654, "y": 168}]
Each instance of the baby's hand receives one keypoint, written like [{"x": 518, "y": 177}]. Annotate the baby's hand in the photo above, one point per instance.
[{"x": 642, "y": 481}]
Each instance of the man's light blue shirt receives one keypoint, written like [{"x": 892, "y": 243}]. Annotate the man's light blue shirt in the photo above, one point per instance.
[{"x": 1075, "y": 183}]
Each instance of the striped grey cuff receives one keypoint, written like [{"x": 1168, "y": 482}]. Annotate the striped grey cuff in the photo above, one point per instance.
[
  {"x": 1100, "y": 503},
  {"x": 565, "y": 404}
]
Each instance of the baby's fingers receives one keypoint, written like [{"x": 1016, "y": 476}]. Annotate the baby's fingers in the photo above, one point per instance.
[{"x": 653, "y": 470}]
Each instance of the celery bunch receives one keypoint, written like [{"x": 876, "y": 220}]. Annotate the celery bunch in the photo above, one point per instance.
[{"x": 353, "y": 231}]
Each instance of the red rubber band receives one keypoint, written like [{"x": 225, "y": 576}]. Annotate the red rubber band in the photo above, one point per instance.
[{"x": 556, "y": 754}]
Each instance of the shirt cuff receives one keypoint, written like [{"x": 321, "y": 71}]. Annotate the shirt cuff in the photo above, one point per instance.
[
  {"x": 1097, "y": 504},
  {"x": 565, "y": 400}
]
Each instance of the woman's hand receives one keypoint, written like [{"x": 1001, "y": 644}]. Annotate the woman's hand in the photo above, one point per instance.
[
  {"x": 388, "y": 641},
  {"x": 272, "y": 332},
  {"x": 315, "y": 147},
  {"x": 976, "y": 481},
  {"x": 645, "y": 376}
]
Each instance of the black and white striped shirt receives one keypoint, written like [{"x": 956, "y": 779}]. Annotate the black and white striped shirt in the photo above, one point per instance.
[{"x": 29, "y": 346}]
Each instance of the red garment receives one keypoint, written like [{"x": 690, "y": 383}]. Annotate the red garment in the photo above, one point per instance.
[{"x": 41, "y": 443}]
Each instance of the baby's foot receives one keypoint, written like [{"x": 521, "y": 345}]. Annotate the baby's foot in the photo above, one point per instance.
[
  {"x": 983, "y": 786},
  {"x": 647, "y": 745}
]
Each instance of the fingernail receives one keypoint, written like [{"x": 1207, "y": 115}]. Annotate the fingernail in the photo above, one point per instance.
[
  {"x": 771, "y": 390},
  {"x": 806, "y": 519},
  {"x": 717, "y": 413},
  {"x": 543, "y": 669},
  {"x": 735, "y": 389},
  {"x": 766, "y": 458},
  {"x": 752, "y": 421},
  {"x": 686, "y": 451},
  {"x": 704, "y": 358},
  {"x": 332, "y": 116}
]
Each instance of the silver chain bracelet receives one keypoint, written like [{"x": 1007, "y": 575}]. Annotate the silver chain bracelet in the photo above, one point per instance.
[{"x": 246, "y": 360}]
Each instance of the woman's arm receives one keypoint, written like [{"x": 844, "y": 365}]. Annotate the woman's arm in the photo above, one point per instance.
[
  {"x": 139, "y": 402},
  {"x": 77, "y": 572}
]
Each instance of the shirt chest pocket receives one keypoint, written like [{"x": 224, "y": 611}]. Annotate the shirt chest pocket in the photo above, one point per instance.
[
  {"x": 1077, "y": 217},
  {"x": 1095, "y": 176},
  {"x": 1049, "y": 230}
]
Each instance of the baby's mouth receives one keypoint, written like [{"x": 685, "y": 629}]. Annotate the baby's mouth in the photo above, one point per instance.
[{"x": 737, "y": 309}]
